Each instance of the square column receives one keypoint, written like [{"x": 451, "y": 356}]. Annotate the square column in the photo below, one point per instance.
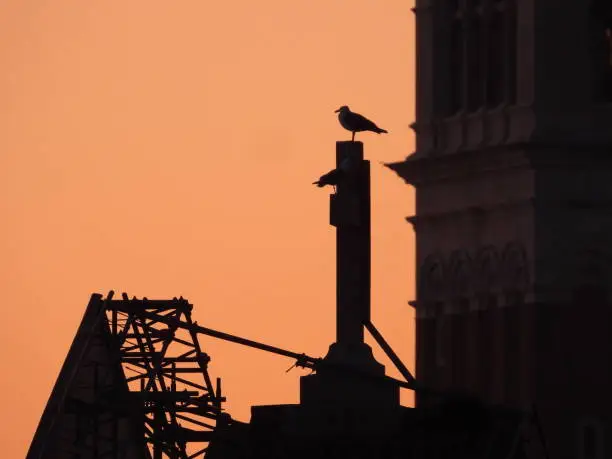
[{"x": 350, "y": 214}]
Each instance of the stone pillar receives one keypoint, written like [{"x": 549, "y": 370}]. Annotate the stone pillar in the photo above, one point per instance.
[{"x": 350, "y": 214}]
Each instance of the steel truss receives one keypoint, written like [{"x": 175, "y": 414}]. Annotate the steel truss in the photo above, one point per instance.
[
  {"x": 135, "y": 384},
  {"x": 132, "y": 387},
  {"x": 167, "y": 369}
]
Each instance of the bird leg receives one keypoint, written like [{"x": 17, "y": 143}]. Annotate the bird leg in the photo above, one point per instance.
[{"x": 353, "y": 138}]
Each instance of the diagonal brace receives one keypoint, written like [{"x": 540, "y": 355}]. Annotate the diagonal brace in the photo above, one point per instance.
[{"x": 389, "y": 351}]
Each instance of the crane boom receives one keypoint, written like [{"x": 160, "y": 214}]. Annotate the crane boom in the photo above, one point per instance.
[{"x": 302, "y": 359}]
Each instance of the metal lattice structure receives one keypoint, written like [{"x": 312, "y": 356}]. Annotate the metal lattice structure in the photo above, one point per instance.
[
  {"x": 132, "y": 386},
  {"x": 166, "y": 367}
]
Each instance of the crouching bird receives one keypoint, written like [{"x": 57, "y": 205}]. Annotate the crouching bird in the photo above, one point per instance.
[
  {"x": 335, "y": 176},
  {"x": 355, "y": 122},
  {"x": 332, "y": 178}
]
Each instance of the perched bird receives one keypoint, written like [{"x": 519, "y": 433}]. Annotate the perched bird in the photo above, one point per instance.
[
  {"x": 334, "y": 177},
  {"x": 331, "y": 178},
  {"x": 354, "y": 122}
]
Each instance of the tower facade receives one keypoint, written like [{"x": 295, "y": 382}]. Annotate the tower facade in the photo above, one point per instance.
[{"x": 513, "y": 222}]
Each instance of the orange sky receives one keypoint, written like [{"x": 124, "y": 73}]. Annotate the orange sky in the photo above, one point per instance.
[{"x": 167, "y": 148}]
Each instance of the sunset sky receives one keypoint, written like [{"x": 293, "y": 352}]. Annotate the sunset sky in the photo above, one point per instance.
[{"x": 167, "y": 148}]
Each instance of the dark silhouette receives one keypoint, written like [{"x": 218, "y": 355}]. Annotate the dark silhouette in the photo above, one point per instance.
[
  {"x": 483, "y": 323},
  {"x": 335, "y": 176},
  {"x": 348, "y": 407},
  {"x": 355, "y": 122},
  {"x": 121, "y": 340},
  {"x": 154, "y": 343}
]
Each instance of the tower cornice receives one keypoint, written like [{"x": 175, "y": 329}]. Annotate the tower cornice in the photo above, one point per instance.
[{"x": 418, "y": 169}]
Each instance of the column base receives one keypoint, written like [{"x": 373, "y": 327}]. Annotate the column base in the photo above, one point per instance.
[{"x": 334, "y": 386}]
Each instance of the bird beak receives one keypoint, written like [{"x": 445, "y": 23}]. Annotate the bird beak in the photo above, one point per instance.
[{"x": 337, "y": 111}]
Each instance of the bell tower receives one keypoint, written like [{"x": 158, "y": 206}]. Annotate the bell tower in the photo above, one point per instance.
[{"x": 513, "y": 179}]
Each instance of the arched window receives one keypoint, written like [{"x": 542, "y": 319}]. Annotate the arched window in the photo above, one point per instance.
[
  {"x": 482, "y": 53},
  {"x": 496, "y": 57},
  {"x": 456, "y": 67},
  {"x": 431, "y": 281},
  {"x": 476, "y": 37},
  {"x": 511, "y": 26}
]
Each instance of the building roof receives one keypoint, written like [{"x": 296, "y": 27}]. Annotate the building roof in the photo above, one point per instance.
[
  {"x": 457, "y": 430},
  {"x": 89, "y": 369}
]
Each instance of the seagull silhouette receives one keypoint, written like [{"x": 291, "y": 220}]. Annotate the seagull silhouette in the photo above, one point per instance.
[
  {"x": 335, "y": 176},
  {"x": 332, "y": 178},
  {"x": 355, "y": 122}
]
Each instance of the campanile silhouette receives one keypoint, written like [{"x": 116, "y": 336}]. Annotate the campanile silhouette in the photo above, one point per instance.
[{"x": 513, "y": 222}]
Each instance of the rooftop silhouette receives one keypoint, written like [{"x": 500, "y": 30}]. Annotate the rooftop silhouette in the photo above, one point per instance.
[{"x": 135, "y": 382}]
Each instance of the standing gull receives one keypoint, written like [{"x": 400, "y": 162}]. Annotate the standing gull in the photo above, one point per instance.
[{"x": 354, "y": 122}]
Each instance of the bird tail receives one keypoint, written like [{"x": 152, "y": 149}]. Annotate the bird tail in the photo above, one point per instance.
[{"x": 381, "y": 131}]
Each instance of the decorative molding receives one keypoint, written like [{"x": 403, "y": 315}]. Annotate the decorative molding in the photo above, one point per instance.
[
  {"x": 432, "y": 279},
  {"x": 514, "y": 272},
  {"x": 459, "y": 273},
  {"x": 463, "y": 276},
  {"x": 421, "y": 169},
  {"x": 486, "y": 277}
]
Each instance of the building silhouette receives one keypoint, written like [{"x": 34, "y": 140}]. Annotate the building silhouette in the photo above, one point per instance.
[{"x": 513, "y": 215}]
